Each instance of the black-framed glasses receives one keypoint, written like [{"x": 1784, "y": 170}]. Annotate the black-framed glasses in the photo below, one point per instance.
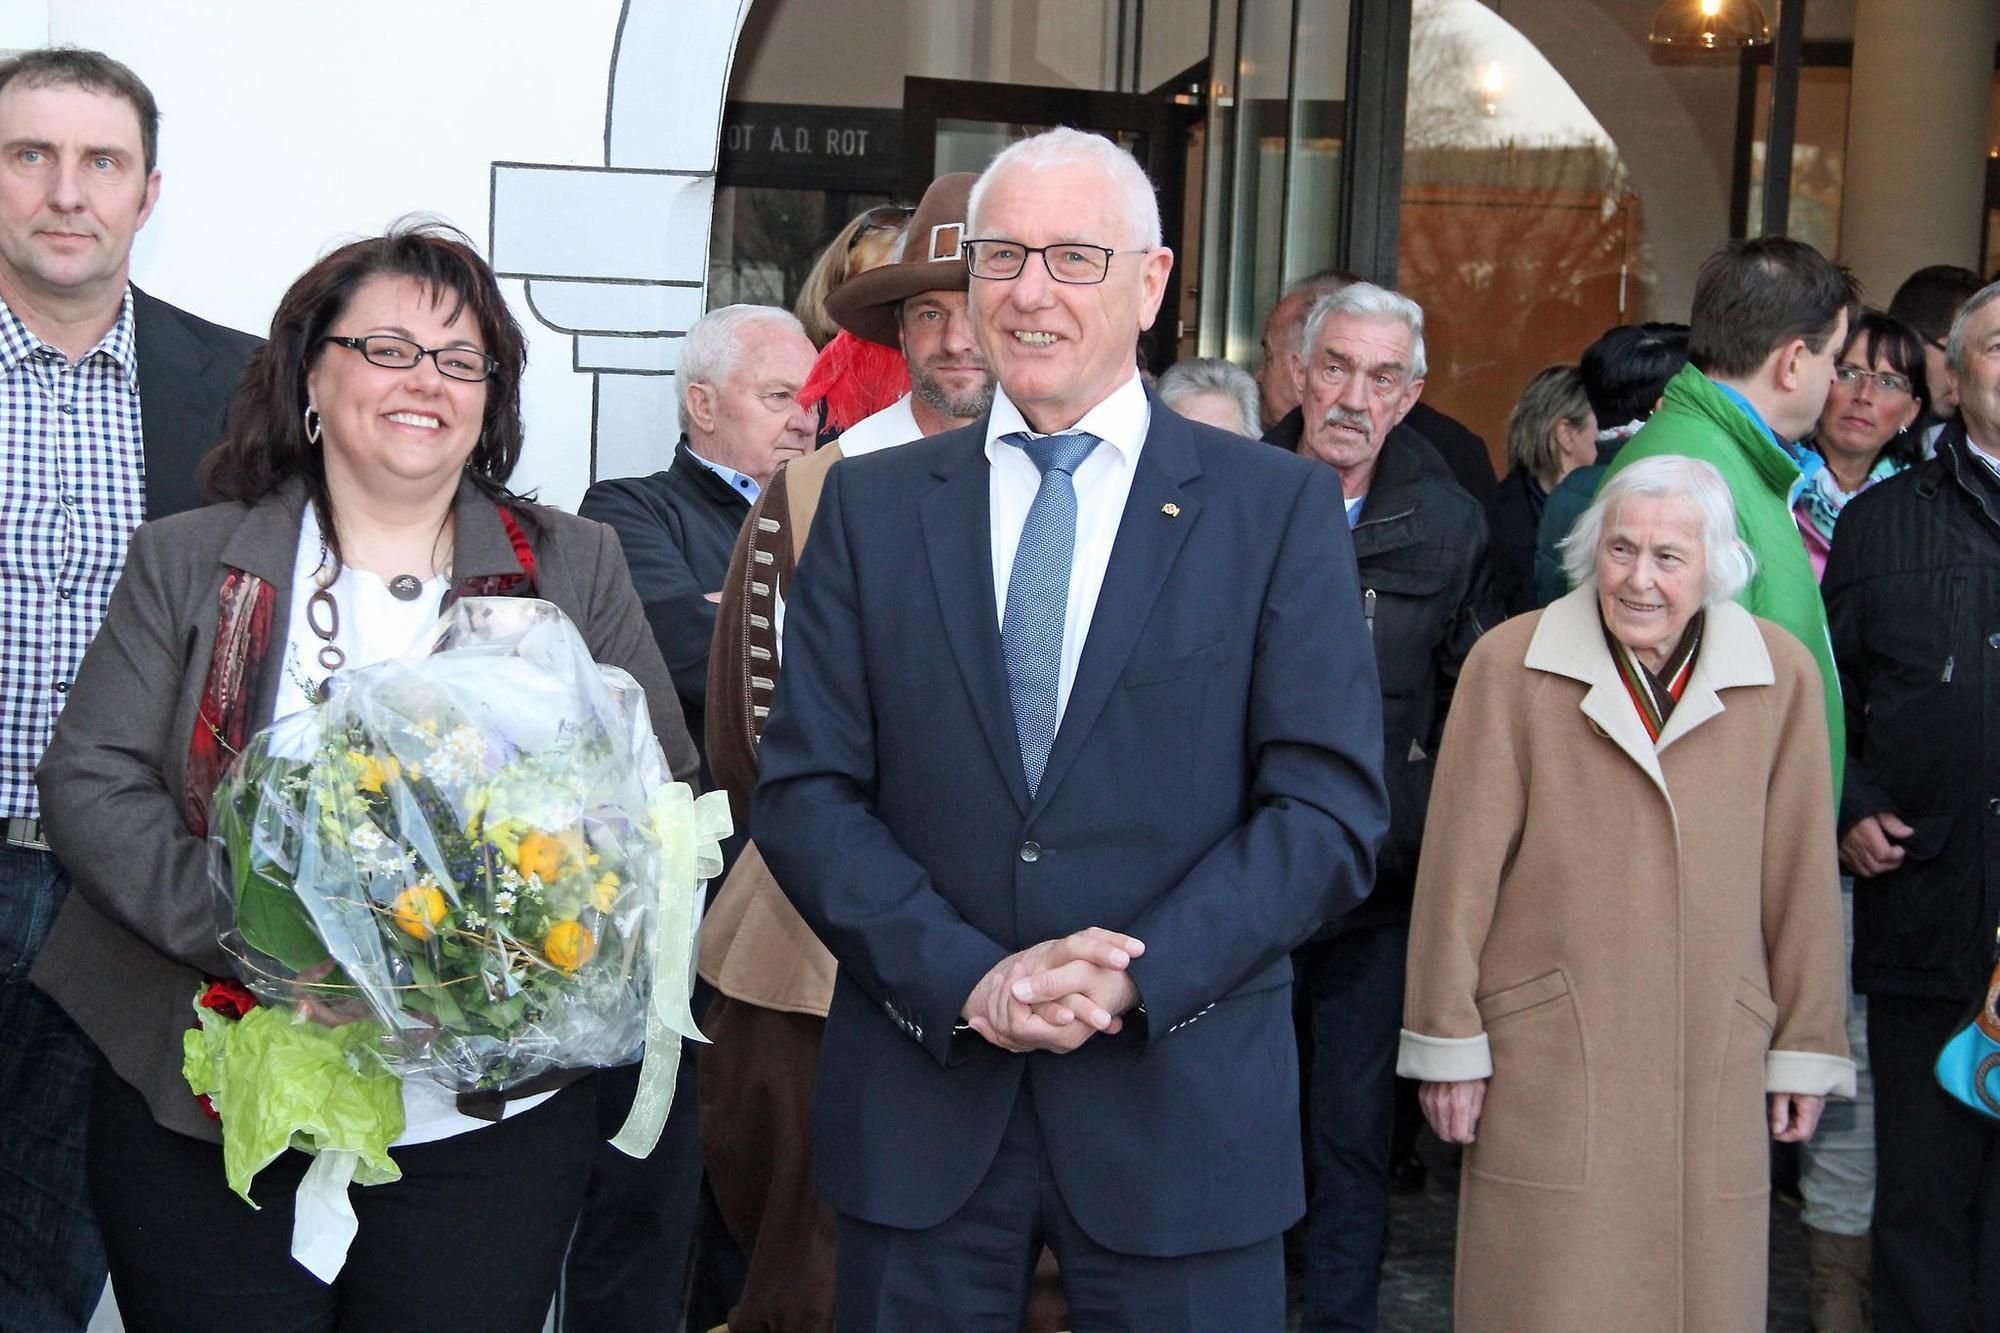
[
  {"x": 1886, "y": 381},
  {"x": 386, "y": 349},
  {"x": 1070, "y": 261}
]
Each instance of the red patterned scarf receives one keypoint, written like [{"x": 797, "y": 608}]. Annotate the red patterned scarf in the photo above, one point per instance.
[{"x": 243, "y": 644}]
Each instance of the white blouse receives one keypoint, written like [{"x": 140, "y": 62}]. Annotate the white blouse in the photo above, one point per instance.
[{"x": 375, "y": 625}]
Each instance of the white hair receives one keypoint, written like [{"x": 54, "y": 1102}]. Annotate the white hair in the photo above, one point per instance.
[
  {"x": 1954, "y": 345},
  {"x": 1211, "y": 374},
  {"x": 1065, "y": 147},
  {"x": 1731, "y": 563},
  {"x": 714, "y": 346},
  {"x": 1364, "y": 300}
]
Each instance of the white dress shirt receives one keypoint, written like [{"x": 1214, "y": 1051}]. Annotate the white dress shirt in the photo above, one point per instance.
[
  {"x": 1103, "y": 482},
  {"x": 893, "y": 425}
]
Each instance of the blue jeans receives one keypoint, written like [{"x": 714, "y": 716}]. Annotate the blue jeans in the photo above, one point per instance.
[
  {"x": 1354, "y": 990},
  {"x": 51, "y": 1260},
  {"x": 1837, "y": 1165}
]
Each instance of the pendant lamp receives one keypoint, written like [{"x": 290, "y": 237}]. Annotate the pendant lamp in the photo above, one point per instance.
[{"x": 1709, "y": 25}]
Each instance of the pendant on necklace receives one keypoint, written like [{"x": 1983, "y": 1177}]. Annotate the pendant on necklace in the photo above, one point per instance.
[{"x": 406, "y": 587}]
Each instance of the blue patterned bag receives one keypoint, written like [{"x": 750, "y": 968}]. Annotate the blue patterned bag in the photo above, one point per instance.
[{"x": 1969, "y": 1065}]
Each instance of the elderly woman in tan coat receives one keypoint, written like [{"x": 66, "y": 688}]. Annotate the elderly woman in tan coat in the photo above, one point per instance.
[{"x": 1626, "y": 962}]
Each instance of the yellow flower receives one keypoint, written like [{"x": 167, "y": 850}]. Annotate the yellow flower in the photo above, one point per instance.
[
  {"x": 541, "y": 855},
  {"x": 371, "y": 773},
  {"x": 418, "y": 910},
  {"x": 569, "y": 945},
  {"x": 605, "y": 892}
]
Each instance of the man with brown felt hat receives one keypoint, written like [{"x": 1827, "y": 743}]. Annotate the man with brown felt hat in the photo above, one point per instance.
[{"x": 775, "y": 977}]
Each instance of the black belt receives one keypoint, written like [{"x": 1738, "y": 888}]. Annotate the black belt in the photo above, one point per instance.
[{"x": 25, "y": 834}]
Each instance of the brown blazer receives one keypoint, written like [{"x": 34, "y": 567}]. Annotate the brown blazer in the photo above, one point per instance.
[
  {"x": 1636, "y": 944},
  {"x": 138, "y": 931},
  {"x": 755, "y": 946}
]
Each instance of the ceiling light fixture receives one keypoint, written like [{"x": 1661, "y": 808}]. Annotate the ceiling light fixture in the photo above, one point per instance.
[{"x": 1709, "y": 25}]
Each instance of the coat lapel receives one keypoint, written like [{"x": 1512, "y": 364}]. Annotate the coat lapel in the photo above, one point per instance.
[
  {"x": 1149, "y": 539},
  {"x": 958, "y": 544},
  {"x": 1733, "y": 655},
  {"x": 1570, "y": 642}
]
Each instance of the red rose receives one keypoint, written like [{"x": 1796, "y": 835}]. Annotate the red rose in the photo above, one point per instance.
[{"x": 228, "y": 997}]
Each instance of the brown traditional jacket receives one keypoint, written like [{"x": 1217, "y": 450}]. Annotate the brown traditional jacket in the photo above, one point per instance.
[{"x": 754, "y": 945}]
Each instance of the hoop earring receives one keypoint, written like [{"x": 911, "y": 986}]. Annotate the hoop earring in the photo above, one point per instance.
[{"x": 312, "y": 424}]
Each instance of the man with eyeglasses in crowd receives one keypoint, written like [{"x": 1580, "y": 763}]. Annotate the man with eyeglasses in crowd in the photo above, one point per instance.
[
  {"x": 738, "y": 384},
  {"x": 1928, "y": 301},
  {"x": 108, "y": 399},
  {"x": 1078, "y": 736}
]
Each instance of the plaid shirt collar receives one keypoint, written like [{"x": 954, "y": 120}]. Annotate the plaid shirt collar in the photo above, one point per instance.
[{"x": 18, "y": 343}]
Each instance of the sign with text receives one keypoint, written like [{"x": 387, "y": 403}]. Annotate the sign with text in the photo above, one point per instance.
[{"x": 776, "y": 145}]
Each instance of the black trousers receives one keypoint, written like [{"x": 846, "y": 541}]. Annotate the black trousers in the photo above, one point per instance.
[
  {"x": 1937, "y": 1181},
  {"x": 471, "y": 1237},
  {"x": 628, "y": 1265}
]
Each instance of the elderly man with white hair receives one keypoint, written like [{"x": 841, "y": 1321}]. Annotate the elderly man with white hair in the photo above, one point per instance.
[
  {"x": 1625, "y": 970},
  {"x": 1420, "y": 545},
  {"x": 738, "y": 385},
  {"x": 1078, "y": 737}
]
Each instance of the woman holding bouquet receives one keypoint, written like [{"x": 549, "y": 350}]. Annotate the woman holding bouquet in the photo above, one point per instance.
[{"x": 364, "y": 486}]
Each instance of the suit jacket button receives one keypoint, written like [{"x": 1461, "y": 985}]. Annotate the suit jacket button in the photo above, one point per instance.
[{"x": 1031, "y": 852}]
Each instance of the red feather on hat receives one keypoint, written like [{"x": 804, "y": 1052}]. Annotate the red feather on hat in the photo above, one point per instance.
[{"x": 856, "y": 378}]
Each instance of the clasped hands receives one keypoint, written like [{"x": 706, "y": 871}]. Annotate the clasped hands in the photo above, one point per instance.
[{"x": 1058, "y": 994}]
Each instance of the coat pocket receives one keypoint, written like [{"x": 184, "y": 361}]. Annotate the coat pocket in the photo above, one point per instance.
[
  {"x": 1742, "y": 1132},
  {"x": 1535, "y": 1128}
]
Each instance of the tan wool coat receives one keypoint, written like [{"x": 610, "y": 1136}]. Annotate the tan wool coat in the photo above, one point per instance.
[{"x": 1636, "y": 944}]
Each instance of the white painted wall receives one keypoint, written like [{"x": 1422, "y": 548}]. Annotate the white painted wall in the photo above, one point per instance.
[{"x": 287, "y": 128}]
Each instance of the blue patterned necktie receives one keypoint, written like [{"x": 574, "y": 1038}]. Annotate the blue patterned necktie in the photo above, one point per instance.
[{"x": 1031, "y": 631}]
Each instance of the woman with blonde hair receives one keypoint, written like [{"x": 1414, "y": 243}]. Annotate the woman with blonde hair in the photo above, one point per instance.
[
  {"x": 1551, "y": 432},
  {"x": 869, "y": 239}
]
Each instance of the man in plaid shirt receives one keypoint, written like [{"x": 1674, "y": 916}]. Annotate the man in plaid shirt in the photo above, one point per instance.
[{"x": 108, "y": 398}]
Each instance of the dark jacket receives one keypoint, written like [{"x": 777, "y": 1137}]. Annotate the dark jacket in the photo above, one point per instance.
[
  {"x": 1564, "y": 506},
  {"x": 188, "y": 368},
  {"x": 1213, "y": 789},
  {"x": 1420, "y": 546},
  {"x": 1913, "y": 602},
  {"x": 137, "y": 933},
  {"x": 1517, "y": 516},
  {"x": 1462, "y": 452},
  {"x": 678, "y": 528}
]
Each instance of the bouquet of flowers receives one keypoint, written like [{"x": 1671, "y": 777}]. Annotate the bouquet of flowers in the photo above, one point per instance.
[{"x": 471, "y": 867}]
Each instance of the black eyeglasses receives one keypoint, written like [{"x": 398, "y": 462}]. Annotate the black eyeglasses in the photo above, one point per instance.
[
  {"x": 1069, "y": 262},
  {"x": 386, "y": 349},
  {"x": 1886, "y": 381}
]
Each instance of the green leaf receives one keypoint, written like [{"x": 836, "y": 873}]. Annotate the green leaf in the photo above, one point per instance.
[{"x": 268, "y": 911}]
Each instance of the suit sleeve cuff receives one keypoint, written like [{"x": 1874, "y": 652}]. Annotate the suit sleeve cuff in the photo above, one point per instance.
[
  {"x": 1809, "y": 1074},
  {"x": 1444, "y": 1059}
]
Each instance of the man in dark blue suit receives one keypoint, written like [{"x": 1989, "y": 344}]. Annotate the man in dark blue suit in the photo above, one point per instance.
[{"x": 1078, "y": 736}]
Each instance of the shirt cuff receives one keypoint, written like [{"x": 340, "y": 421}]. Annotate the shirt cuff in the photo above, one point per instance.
[
  {"x": 1444, "y": 1059},
  {"x": 1809, "y": 1074}
]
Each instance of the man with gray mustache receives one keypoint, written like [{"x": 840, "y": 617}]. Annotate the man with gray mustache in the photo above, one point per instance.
[{"x": 1420, "y": 547}]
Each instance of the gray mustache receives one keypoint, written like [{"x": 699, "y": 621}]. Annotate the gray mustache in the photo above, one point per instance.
[{"x": 1340, "y": 416}]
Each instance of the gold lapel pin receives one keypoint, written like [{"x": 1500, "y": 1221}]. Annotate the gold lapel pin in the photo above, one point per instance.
[{"x": 1170, "y": 509}]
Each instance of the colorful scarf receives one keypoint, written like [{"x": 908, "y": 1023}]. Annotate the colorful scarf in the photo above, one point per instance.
[
  {"x": 243, "y": 643},
  {"x": 1654, "y": 695},
  {"x": 1822, "y": 499}
]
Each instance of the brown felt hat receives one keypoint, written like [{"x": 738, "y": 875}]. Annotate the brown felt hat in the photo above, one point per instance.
[{"x": 866, "y": 304}]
